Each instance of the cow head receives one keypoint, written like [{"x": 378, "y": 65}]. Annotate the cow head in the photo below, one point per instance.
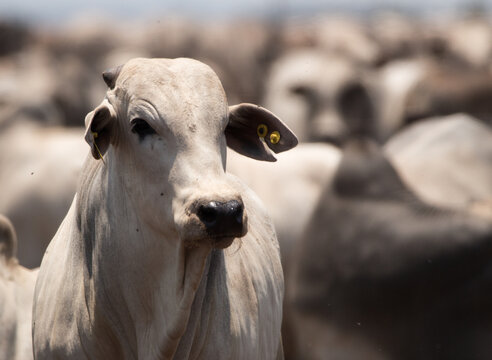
[
  {"x": 321, "y": 97},
  {"x": 162, "y": 131}
]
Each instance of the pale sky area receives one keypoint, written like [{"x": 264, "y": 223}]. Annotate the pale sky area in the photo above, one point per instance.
[{"x": 61, "y": 11}]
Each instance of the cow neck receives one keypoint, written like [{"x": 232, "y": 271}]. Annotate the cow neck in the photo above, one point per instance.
[{"x": 142, "y": 283}]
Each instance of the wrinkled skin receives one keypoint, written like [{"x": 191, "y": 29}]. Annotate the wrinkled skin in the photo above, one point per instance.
[{"x": 133, "y": 271}]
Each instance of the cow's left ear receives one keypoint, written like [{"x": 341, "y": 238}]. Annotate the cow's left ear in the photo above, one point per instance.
[
  {"x": 99, "y": 124},
  {"x": 253, "y": 129}
]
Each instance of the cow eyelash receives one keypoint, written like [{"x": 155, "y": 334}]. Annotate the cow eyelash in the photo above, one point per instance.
[{"x": 141, "y": 128}]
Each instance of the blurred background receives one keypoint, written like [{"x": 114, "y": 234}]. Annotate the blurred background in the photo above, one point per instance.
[{"x": 384, "y": 211}]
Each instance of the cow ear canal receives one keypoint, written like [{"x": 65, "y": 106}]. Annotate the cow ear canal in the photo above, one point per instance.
[
  {"x": 99, "y": 128},
  {"x": 141, "y": 128}
]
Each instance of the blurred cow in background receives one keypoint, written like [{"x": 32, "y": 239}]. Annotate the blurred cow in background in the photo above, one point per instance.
[
  {"x": 40, "y": 167},
  {"x": 418, "y": 88},
  {"x": 16, "y": 296},
  {"x": 40, "y": 159}
]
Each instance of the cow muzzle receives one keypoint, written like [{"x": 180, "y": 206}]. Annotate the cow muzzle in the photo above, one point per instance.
[
  {"x": 219, "y": 222},
  {"x": 222, "y": 218}
]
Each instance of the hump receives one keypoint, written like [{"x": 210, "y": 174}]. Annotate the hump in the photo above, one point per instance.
[{"x": 8, "y": 238}]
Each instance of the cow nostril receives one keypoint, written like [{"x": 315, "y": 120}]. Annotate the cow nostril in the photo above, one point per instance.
[
  {"x": 208, "y": 213},
  {"x": 236, "y": 210},
  {"x": 222, "y": 218}
]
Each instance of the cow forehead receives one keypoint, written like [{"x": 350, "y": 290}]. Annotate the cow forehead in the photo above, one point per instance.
[{"x": 176, "y": 84}]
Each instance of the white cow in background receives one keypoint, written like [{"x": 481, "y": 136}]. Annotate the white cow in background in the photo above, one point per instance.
[
  {"x": 16, "y": 294},
  {"x": 39, "y": 170},
  {"x": 141, "y": 265},
  {"x": 39, "y": 159}
]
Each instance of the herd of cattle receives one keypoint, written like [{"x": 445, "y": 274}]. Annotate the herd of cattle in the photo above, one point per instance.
[{"x": 370, "y": 239}]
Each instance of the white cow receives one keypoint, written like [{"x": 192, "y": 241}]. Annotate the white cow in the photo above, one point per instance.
[
  {"x": 141, "y": 266},
  {"x": 16, "y": 293}
]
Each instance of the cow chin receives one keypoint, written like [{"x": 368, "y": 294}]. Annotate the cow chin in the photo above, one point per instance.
[
  {"x": 195, "y": 233},
  {"x": 222, "y": 242},
  {"x": 215, "y": 242}
]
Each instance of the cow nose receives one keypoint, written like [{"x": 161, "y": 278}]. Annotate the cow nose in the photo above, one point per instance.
[{"x": 222, "y": 218}]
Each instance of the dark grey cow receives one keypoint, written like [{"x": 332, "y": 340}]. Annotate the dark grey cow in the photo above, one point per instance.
[{"x": 382, "y": 275}]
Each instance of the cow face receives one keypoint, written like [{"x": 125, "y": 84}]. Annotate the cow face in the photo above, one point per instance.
[
  {"x": 164, "y": 125},
  {"x": 322, "y": 97}
]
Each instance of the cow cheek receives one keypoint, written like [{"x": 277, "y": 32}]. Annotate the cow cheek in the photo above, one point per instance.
[{"x": 154, "y": 208}]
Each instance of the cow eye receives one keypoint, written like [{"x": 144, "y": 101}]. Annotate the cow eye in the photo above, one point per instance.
[
  {"x": 302, "y": 90},
  {"x": 141, "y": 128}
]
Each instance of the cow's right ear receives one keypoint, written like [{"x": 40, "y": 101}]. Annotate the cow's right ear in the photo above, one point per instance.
[{"x": 99, "y": 125}]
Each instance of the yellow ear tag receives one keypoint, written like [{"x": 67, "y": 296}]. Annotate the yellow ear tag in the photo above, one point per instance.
[
  {"x": 95, "y": 135},
  {"x": 274, "y": 137},
  {"x": 262, "y": 130}
]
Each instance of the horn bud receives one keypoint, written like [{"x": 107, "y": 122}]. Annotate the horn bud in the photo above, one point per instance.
[{"x": 110, "y": 76}]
